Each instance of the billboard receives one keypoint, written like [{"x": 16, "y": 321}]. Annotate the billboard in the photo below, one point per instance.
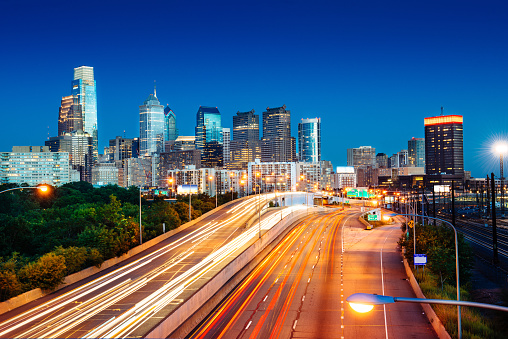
[{"x": 186, "y": 189}]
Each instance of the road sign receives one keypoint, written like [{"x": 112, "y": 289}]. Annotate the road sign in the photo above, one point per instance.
[
  {"x": 373, "y": 217},
  {"x": 411, "y": 223},
  {"x": 420, "y": 259}
]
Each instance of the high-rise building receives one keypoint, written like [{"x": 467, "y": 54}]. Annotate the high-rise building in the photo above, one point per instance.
[
  {"x": 34, "y": 165},
  {"x": 105, "y": 174},
  {"x": 345, "y": 177},
  {"x": 123, "y": 148},
  {"x": 70, "y": 117},
  {"x": 444, "y": 150},
  {"x": 211, "y": 155},
  {"x": 208, "y": 126},
  {"x": 271, "y": 176},
  {"x": 79, "y": 145},
  {"x": 362, "y": 156},
  {"x": 185, "y": 143},
  {"x": 416, "y": 152},
  {"x": 245, "y": 146},
  {"x": 276, "y": 144},
  {"x": 84, "y": 89},
  {"x": 151, "y": 126},
  {"x": 381, "y": 160},
  {"x": 309, "y": 140},
  {"x": 226, "y": 145},
  {"x": 170, "y": 130}
]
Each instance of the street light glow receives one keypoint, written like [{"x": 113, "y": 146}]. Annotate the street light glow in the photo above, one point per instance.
[
  {"x": 361, "y": 308},
  {"x": 500, "y": 147},
  {"x": 43, "y": 188}
]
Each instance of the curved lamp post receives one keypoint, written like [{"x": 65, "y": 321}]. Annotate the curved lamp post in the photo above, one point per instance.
[
  {"x": 42, "y": 188},
  {"x": 364, "y": 302}
]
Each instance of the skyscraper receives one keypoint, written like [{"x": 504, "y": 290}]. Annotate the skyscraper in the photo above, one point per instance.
[
  {"x": 309, "y": 140},
  {"x": 226, "y": 144},
  {"x": 84, "y": 89},
  {"x": 362, "y": 156},
  {"x": 170, "y": 130},
  {"x": 70, "y": 117},
  {"x": 444, "y": 150},
  {"x": 151, "y": 126},
  {"x": 416, "y": 152},
  {"x": 276, "y": 143},
  {"x": 208, "y": 126},
  {"x": 245, "y": 146}
]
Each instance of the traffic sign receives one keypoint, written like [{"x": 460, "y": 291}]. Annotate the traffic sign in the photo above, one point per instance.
[
  {"x": 411, "y": 223},
  {"x": 373, "y": 217},
  {"x": 420, "y": 259}
]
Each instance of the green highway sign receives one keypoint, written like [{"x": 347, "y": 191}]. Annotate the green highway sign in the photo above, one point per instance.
[{"x": 373, "y": 217}]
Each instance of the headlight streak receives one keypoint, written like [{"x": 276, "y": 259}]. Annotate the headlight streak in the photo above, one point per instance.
[{"x": 132, "y": 318}]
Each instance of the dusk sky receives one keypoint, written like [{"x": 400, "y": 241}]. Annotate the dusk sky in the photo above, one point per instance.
[{"x": 372, "y": 70}]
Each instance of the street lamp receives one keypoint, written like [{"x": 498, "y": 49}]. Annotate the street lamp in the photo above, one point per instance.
[
  {"x": 364, "y": 302},
  {"x": 42, "y": 188},
  {"x": 231, "y": 175},
  {"x": 501, "y": 148}
]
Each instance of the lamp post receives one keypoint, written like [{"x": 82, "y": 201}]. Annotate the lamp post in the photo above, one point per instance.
[
  {"x": 459, "y": 320},
  {"x": 231, "y": 175},
  {"x": 364, "y": 302},
  {"x": 42, "y": 188},
  {"x": 501, "y": 148},
  {"x": 140, "y": 233}
]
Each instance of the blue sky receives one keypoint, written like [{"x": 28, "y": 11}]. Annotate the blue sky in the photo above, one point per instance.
[{"x": 372, "y": 70}]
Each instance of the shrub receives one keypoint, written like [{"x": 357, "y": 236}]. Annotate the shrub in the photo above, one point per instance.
[{"x": 46, "y": 273}]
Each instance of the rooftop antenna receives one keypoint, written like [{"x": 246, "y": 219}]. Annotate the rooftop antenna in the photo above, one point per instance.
[
  {"x": 48, "y": 132},
  {"x": 154, "y": 89},
  {"x": 124, "y": 134},
  {"x": 441, "y": 110}
]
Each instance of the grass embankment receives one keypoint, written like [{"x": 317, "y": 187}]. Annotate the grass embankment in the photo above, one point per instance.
[{"x": 438, "y": 281}]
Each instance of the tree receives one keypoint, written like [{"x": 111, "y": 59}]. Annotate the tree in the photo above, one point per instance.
[{"x": 46, "y": 273}]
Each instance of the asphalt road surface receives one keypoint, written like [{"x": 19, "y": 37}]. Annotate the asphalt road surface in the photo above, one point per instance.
[{"x": 299, "y": 289}]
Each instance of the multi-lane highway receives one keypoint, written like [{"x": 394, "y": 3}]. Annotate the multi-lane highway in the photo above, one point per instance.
[
  {"x": 299, "y": 289},
  {"x": 130, "y": 299}
]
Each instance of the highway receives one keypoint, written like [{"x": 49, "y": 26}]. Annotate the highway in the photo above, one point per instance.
[
  {"x": 299, "y": 289},
  {"x": 132, "y": 298}
]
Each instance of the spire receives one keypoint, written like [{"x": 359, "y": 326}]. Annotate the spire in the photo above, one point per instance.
[
  {"x": 441, "y": 110},
  {"x": 154, "y": 89}
]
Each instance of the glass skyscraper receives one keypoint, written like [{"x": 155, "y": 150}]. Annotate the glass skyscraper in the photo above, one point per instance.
[
  {"x": 416, "y": 152},
  {"x": 84, "y": 89},
  {"x": 151, "y": 126},
  {"x": 208, "y": 126},
  {"x": 309, "y": 140},
  {"x": 170, "y": 130}
]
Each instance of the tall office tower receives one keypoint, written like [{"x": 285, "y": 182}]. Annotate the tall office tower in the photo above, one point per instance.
[
  {"x": 245, "y": 146},
  {"x": 208, "y": 126},
  {"x": 170, "y": 130},
  {"x": 416, "y": 152},
  {"x": 362, "y": 156},
  {"x": 70, "y": 117},
  {"x": 151, "y": 126},
  {"x": 309, "y": 140},
  {"x": 226, "y": 144},
  {"x": 79, "y": 145},
  {"x": 444, "y": 150},
  {"x": 381, "y": 160},
  {"x": 276, "y": 142},
  {"x": 185, "y": 143},
  {"x": 123, "y": 148},
  {"x": 403, "y": 158},
  {"x": 84, "y": 89},
  {"x": 211, "y": 155}
]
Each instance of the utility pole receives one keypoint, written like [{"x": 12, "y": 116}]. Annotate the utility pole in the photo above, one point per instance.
[
  {"x": 488, "y": 197},
  {"x": 453, "y": 204},
  {"x": 434, "y": 203},
  {"x": 494, "y": 225}
]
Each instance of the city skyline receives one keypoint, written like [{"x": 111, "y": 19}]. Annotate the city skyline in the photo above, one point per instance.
[{"x": 390, "y": 64}]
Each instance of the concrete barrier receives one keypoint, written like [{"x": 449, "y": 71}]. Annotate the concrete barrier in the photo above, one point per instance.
[
  {"x": 37, "y": 293},
  {"x": 431, "y": 315},
  {"x": 210, "y": 288}
]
